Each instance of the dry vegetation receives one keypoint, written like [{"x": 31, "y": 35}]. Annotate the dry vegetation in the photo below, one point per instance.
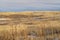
[{"x": 30, "y": 25}]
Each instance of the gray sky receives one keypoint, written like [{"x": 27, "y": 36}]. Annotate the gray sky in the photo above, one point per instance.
[{"x": 29, "y": 5}]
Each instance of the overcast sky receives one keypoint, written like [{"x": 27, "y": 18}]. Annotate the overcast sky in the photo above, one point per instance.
[{"x": 29, "y": 5}]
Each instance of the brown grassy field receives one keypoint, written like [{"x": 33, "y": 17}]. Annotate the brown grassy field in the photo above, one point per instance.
[{"x": 43, "y": 25}]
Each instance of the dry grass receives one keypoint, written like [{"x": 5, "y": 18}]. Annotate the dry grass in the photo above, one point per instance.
[{"x": 30, "y": 26}]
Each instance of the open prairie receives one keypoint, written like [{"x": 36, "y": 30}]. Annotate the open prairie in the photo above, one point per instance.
[{"x": 43, "y": 25}]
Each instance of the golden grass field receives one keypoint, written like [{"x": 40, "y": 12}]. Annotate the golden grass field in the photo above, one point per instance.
[{"x": 43, "y": 25}]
